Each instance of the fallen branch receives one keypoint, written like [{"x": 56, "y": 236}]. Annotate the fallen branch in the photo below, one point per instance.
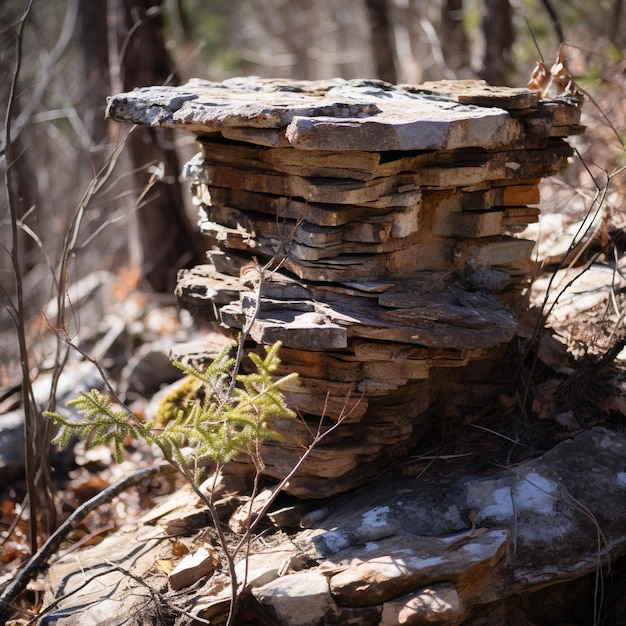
[{"x": 40, "y": 559}]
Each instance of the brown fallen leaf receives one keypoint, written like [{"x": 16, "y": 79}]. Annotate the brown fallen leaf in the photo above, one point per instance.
[{"x": 556, "y": 82}]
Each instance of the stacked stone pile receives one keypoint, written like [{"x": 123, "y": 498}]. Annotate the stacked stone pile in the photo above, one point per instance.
[{"x": 372, "y": 230}]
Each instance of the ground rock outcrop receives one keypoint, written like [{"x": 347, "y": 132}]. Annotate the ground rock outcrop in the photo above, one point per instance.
[{"x": 435, "y": 549}]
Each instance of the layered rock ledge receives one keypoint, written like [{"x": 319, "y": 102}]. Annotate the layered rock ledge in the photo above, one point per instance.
[
  {"x": 372, "y": 230},
  {"x": 434, "y": 549},
  {"x": 394, "y": 274}
]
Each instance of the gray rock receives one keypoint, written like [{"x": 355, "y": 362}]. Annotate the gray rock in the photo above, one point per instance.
[
  {"x": 384, "y": 570},
  {"x": 347, "y": 115},
  {"x": 77, "y": 376},
  {"x": 566, "y": 511},
  {"x": 149, "y": 369},
  {"x": 11, "y": 444},
  {"x": 301, "y": 599},
  {"x": 554, "y": 507},
  {"x": 437, "y": 604},
  {"x": 304, "y": 600}
]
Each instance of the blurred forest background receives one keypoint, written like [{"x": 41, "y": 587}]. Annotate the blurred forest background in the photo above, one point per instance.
[{"x": 87, "y": 200}]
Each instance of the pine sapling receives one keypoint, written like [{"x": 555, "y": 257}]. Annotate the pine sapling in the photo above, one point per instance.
[{"x": 224, "y": 421}]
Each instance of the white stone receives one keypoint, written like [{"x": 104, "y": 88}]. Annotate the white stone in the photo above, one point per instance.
[
  {"x": 191, "y": 569},
  {"x": 437, "y": 604},
  {"x": 297, "y": 599},
  {"x": 536, "y": 493}
]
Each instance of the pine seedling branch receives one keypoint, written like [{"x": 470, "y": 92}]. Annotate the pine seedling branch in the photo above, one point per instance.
[
  {"x": 230, "y": 413},
  {"x": 103, "y": 423},
  {"x": 223, "y": 421}
]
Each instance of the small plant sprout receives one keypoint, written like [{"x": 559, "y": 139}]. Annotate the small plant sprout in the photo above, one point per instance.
[
  {"x": 224, "y": 420},
  {"x": 231, "y": 414}
]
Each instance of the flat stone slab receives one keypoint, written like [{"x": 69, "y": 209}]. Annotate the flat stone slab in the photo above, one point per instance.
[
  {"x": 191, "y": 569},
  {"x": 401, "y": 564},
  {"x": 365, "y": 115},
  {"x": 94, "y": 587},
  {"x": 480, "y": 93}
]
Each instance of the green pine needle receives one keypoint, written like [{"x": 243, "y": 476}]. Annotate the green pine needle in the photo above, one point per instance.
[{"x": 220, "y": 424}]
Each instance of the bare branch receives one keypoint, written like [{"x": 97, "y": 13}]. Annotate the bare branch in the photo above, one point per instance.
[
  {"x": 32, "y": 425},
  {"x": 51, "y": 60},
  {"x": 39, "y": 560}
]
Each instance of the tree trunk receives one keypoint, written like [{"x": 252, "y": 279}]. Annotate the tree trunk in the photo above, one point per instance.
[
  {"x": 453, "y": 36},
  {"x": 166, "y": 235},
  {"x": 382, "y": 40},
  {"x": 497, "y": 26},
  {"x": 93, "y": 37},
  {"x": 141, "y": 59}
]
